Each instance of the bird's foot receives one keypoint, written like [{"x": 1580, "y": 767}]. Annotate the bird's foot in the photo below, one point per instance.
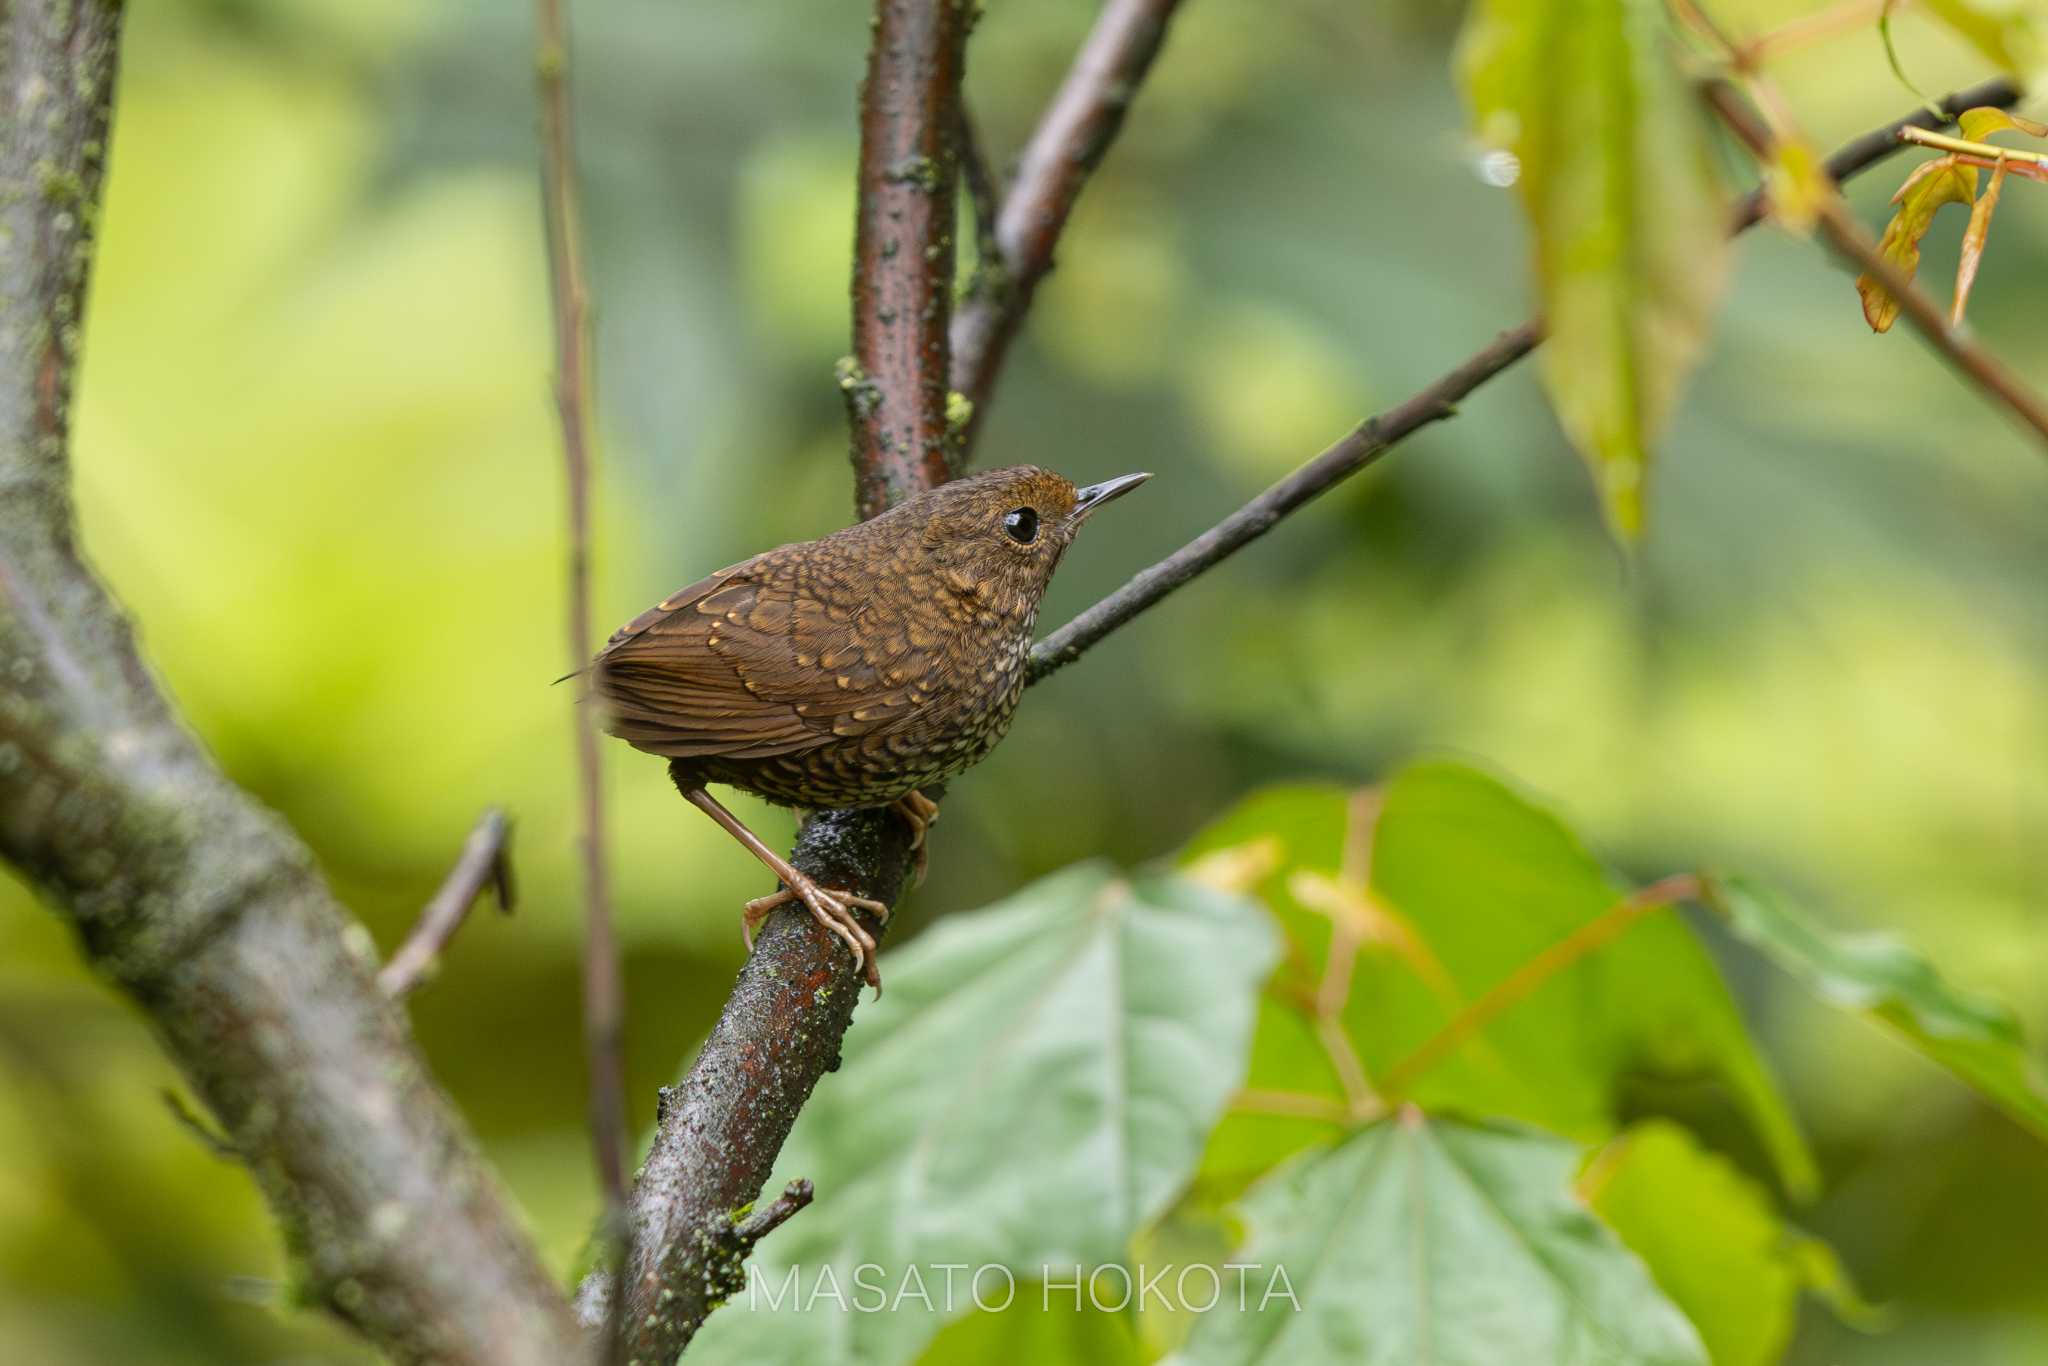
[
  {"x": 920, "y": 813},
  {"x": 830, "y": 907}
]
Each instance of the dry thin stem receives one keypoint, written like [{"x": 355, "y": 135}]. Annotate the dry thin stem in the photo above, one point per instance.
[
  {"x": 1374, "y": 438},
  {"x": 1810, "y": 29},
  {"x": 485, "y": 862},
  {"x": 986, "y": 196},
  {"x": 1068, "y": 144},
  {"x": 1518, "y": 985},
  {"x": 603, "y": 991},
  {"x": 1849, "y": 240}
]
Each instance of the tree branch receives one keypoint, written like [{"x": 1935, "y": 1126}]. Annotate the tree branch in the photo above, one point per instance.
[
  {"x": 485, "y": 862},
  {"x": 719, "y": 1130},
  {"x": 1880, "y": 144},
  {"x": 184, "y": 892},
  {"x": 1852, "y": 243},
  {"x": 1069, "y": 143},
  {"x": 895, "y": 384},
  {"x": 604, "y": 993},
  {"x": 1374, "y": 437}
]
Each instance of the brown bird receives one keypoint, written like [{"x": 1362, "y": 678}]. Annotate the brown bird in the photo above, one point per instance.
[{"x": 853, "y": 670}]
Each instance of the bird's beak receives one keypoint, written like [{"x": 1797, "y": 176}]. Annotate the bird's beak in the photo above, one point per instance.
[{"x": 1088, "y": 499}]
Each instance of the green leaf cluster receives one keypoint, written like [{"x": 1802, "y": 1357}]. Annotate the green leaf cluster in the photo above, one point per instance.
[{"x": 1382, "y": 1041}]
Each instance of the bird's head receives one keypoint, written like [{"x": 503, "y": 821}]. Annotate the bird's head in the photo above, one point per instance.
[{"x": 1008, "y": 527}]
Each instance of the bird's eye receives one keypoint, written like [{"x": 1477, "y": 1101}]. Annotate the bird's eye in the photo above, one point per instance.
[{"x": 1021, "y": 524}]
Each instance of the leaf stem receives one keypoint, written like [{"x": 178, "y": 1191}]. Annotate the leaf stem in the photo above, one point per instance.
[
  {"x": 1518, "y": 985},
  {"x": 1988, "y": 150},
  {"x": 1293, "y": 1105}
]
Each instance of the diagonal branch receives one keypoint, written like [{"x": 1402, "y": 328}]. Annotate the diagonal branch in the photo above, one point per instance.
[
  {"x": 1070, "y": 142},
  {"x": 185, "y": 893},
  {"x": 1376, "y": 436}
]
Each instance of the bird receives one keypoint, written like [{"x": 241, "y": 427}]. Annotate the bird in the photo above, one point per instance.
[{"x": 851, "y": 671}]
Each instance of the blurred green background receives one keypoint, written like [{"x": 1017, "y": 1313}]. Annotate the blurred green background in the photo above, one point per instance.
[{"x": 315, "y": 455}]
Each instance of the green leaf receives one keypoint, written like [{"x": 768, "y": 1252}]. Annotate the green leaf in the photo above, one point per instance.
[
  {"x": 1980, "y": 123},
  {"x": 2008, "y": 32},
  {"x": 1627, "y": 209},
  {"x": 1468, "y": 881},
  {"x": 1933, "y": 184},
  {"x": 1977, "y": 1039},
  {"x": 1036, "y": 1084},
  {"x": 1713, "y": 1242},
  {"x": 1420, "y": 1240},
  {"x": 1041, "y": 1323},
  {"x": 1796, "y": 184}
]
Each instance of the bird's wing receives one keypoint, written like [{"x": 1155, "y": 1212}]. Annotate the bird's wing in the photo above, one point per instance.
[{"x": 759, "y": 660}]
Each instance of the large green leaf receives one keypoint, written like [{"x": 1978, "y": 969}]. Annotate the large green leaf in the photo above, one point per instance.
[
  {"x": 1037, "y": 1082},
  {"x": 1626, "y": 207},
  {"x": 1419, "y": 1240},
  {"x": 1041, "y": 1323},
  {"x": 1713, "y": 1242},
  {"x": 1977, "y": 1039},
  {"x": 1466, "y": 881}
]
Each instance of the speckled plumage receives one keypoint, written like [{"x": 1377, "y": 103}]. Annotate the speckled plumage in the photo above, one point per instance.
[
  {"x": 848, "y": 670},
  {"x": 851, "y": 670}
]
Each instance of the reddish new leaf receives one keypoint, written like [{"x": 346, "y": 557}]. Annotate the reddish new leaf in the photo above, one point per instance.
[
  {"x": 1973, "y": 242},
  {"x": 1919, "y": 200}
]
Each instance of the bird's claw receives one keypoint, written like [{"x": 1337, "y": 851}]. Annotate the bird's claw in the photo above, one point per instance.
[
  {"x": 832, "y": 908},
  {"x": 920, "y": 813}
]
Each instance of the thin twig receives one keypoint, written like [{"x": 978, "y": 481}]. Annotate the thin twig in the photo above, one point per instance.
[
  {"x": 774, "y": 1215},
  {"x": 1064, "y": 150},
  {"x": 485, "y": 861},
  {"x": 194, "y": 1123},
  {"x": 1849, "y": 239},
  {"x": 986, "y": 196},
  {"x": 1989, "y": 151},
  {"x": 1374, "y": 438},
  {"x": 1516, "y": 987},
  {"x": 1364, "y": 444},
  {"x": 1810, "y": 29},
  {"x": 603, "y": 991}
]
